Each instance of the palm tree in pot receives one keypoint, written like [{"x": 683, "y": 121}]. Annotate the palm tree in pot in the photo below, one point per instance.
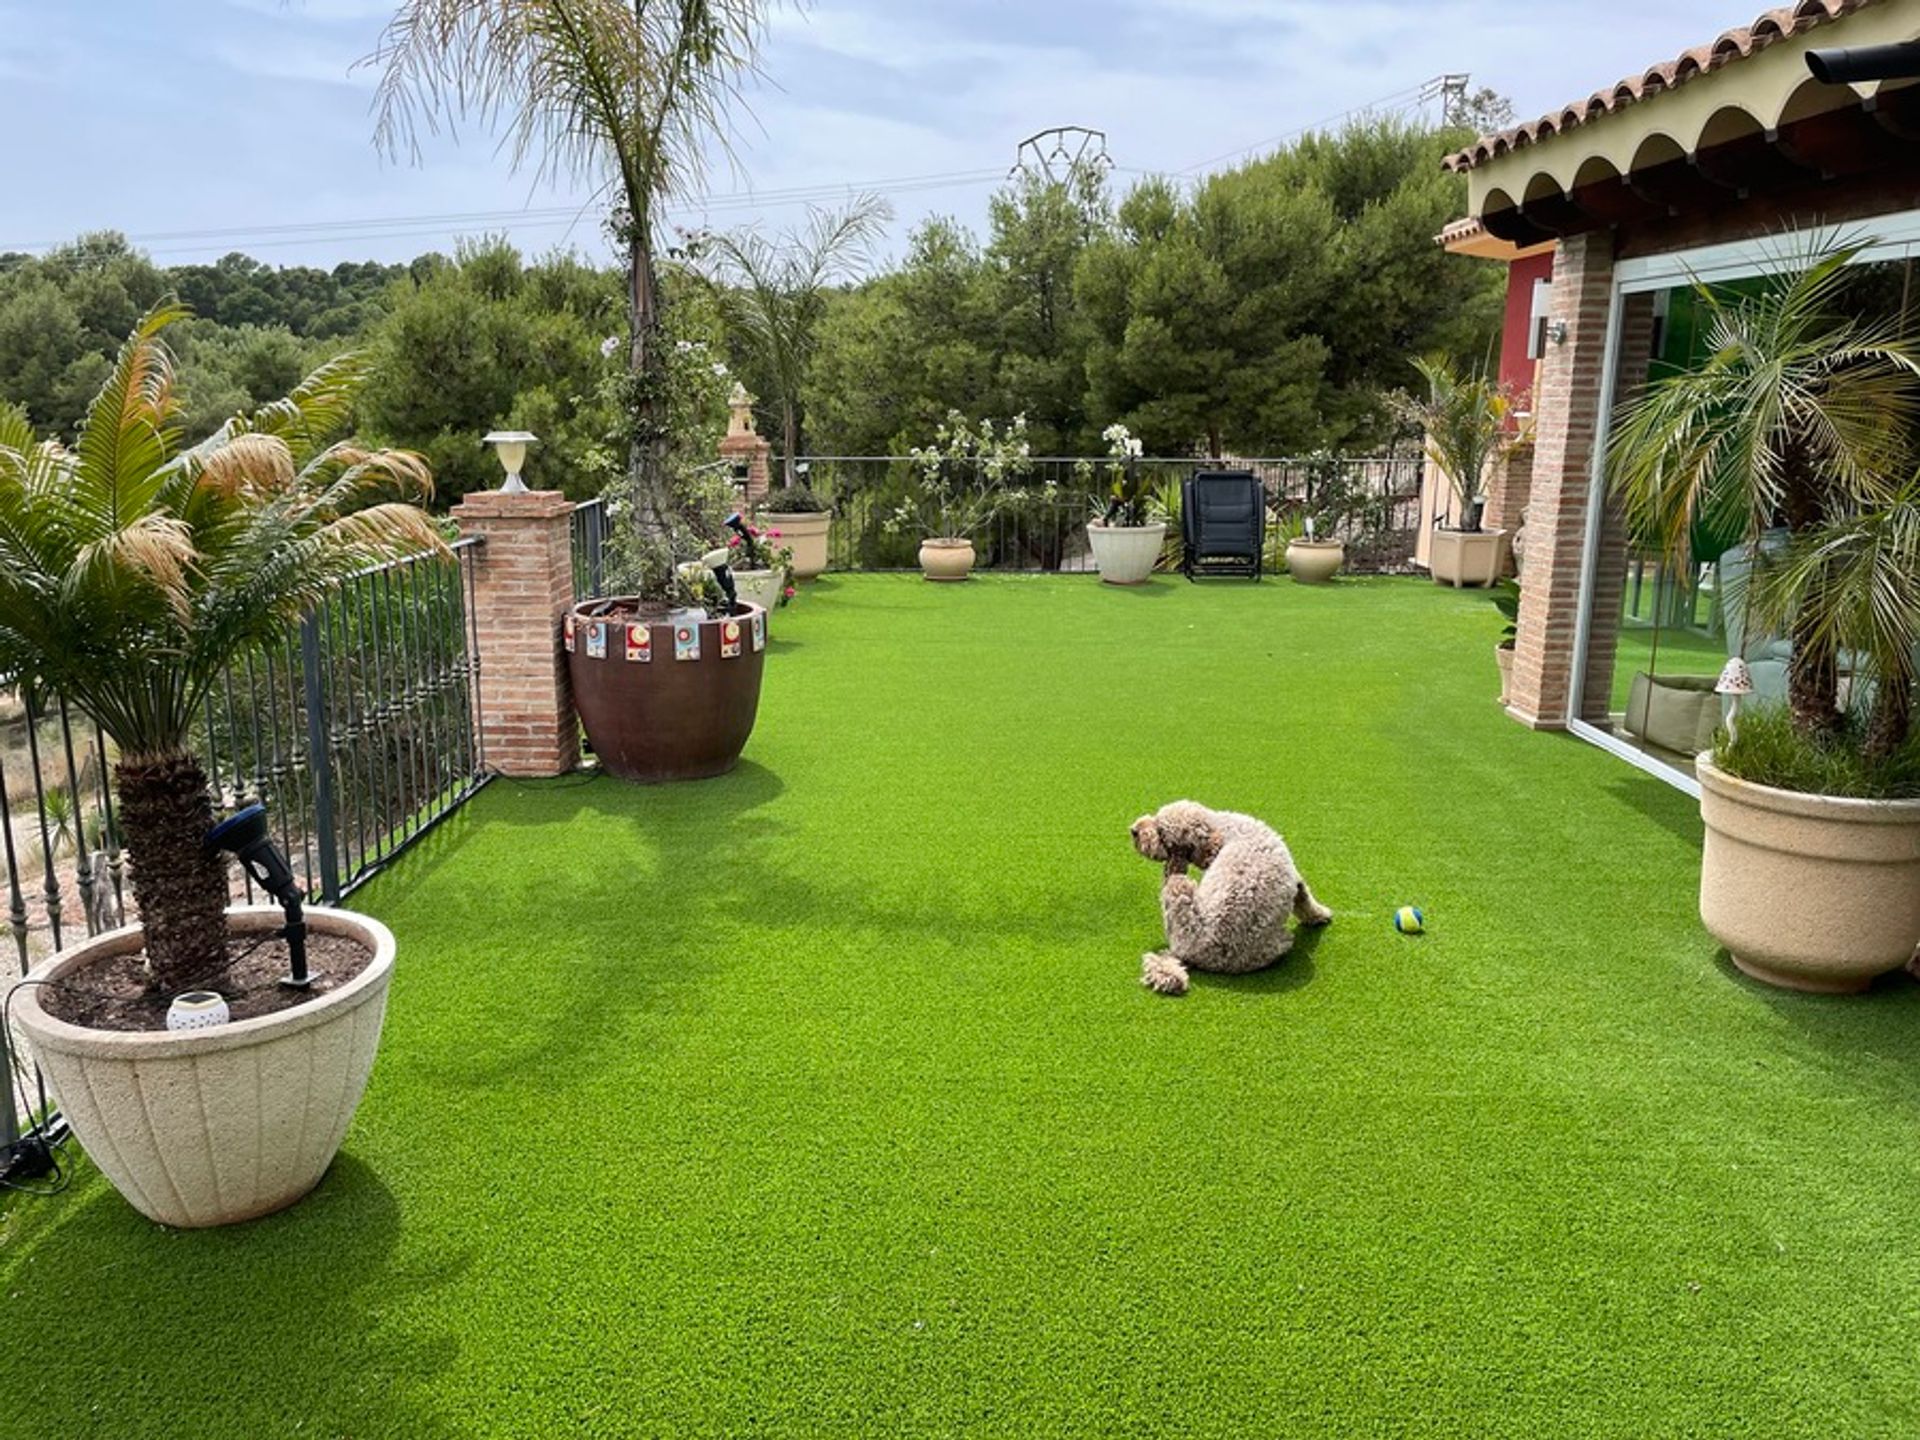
[
  {"x": 133, "y": 572},
  {"x": 1467, "y": 424},
  {"x": 1795, "y": 433}
]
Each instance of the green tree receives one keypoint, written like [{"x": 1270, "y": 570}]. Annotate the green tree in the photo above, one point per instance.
[{"x": 133, "y": 572}]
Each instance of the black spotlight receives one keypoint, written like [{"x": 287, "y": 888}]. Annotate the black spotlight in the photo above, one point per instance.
[
  {"x": 1850, "y": 65},
  {"x": 244, "y": 834}
]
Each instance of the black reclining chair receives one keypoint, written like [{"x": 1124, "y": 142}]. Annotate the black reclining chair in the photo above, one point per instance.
[{"x": 1223, "y": 521}]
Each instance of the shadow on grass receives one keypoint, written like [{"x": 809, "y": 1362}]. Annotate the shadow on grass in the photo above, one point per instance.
[
  {"x": 1877, "y": 1024},
  {"x": 250, "y": 1327}
]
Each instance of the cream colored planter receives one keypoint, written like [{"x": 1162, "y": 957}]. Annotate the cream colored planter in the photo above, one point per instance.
[
  {"x": 946, "y": 559},
  {"x": 1503, "y": 657},
  {"x": 1314, "y": 562},
  {"x": 805, "y": 531},
  {"x": 1126, "y": 554},
  {"x": 762, "y": 587},
  {"x": 1468, "y": 557},
  {"x": 1809, "y": 892},
  {"x": 209, "y": 1127}
]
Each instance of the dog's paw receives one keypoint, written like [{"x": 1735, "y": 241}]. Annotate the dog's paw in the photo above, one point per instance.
[
  {"x": 1163, "y": 974},
  {"x": 1316, "y": 914}
]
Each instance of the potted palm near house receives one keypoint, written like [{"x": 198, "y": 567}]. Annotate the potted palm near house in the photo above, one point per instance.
[
  {"x": 132, "y": 574},
  {"x": 626, "y": 98},
  {"x": 1125, "y": 537},
  {"x": 1801, "y": 419},
  {"x": 1465, "y": 421}
]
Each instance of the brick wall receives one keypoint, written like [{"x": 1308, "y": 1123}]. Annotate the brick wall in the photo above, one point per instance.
[
  {"x": 1509, "y": 488},
  {"x": 1567, "y": 425},
  {"x": 522, "y": 585},
  {"x": 755, "y": 451}
]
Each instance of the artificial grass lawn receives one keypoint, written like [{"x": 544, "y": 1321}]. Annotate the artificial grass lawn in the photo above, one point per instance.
[{"x": 823, "y": 1098}]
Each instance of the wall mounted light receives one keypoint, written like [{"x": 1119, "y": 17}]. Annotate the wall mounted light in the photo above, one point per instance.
[
  {"x": 1557, "y": 331},
  {"x": 511, "y": 447}
]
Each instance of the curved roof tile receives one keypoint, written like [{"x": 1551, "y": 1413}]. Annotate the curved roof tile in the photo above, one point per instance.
[{"x": 1777, "y": 24}]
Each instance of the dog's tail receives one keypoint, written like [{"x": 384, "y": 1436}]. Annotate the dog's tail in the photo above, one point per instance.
[{"x": 1163, "y": 974}]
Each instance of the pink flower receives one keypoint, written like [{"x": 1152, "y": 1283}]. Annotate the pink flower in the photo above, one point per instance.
[
  {"x": 788, "y": 592},
  {"x": 733, "y": 542},
  {"x": 773, "y": 534}
]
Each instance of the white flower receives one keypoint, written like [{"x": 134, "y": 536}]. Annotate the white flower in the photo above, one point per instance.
[
  {"x": 609, "y": 345},
  {"x": 719, "y": 370}
]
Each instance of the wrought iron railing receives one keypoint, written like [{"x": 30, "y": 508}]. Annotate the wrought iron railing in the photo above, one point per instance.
[
  {"x": 1372, "y": 502},
  {"x": 589, "y": 548},
  {"x": 359, "y": 733}
]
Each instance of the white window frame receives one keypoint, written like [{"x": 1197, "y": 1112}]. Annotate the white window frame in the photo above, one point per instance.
[{"x": 1885, "y": 237}]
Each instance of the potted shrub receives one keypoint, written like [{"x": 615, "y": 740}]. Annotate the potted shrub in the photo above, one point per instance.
[
  {"x": 132, "y": 574},
  {"x": 1309, "y": 559},
  {"x": 1801, "y": 414},
  {"x": 761, "y": 566},
  {"x": 1464, "y": 419},
  {"x": 805, "y": 523},
  {"x": 1506, "y": 599},
  {"x": 1125, "y": 538},
  {"x": 959, "y": 485}
]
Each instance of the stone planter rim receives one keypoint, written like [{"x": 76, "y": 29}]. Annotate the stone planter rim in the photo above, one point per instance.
[
  {"x": 948, "y": 542},
  {"x": 92, "y": 1043},
  {"x": 1806, "y": 804},
  {"x": 765, "y": 514},
  {"x": 1101, "y": 525},
  {"x": 1304, "y": 544}
]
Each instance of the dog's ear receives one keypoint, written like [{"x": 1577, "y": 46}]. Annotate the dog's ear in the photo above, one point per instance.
[
  {"x": 1210, "y": 847},
  {"x": 1147, "y": 838}
]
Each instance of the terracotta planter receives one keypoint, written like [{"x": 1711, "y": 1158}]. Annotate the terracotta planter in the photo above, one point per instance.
[
  {"x": 1125, "y": 554},
  {"x": 760, "y": 587},
  {"x": 805, "y": 532},
  {"x": 946, "y": 559},
  {"x": 1314, "y": 562},
  {"x": 1809, "y": 892},
  {"x": 664, "y": 701},
  {"x": 1468, "y": 557},
  {"x": 1503, "y": 657},
  {"x": 210, "y": 1127}
]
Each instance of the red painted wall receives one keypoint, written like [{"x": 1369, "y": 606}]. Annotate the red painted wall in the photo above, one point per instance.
[{"x": 1516, "y": 370}]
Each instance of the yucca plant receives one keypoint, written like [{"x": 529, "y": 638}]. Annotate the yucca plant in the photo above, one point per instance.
[
  {"x": 1800, "y": 417},
  {"x": 132, "y": 572}
]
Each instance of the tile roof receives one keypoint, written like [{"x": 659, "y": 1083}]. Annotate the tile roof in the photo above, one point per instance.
[{"x": 1777, "y": 24}]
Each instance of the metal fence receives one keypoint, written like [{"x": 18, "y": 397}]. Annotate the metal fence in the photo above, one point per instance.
[
  {"x": 589, "y": 548},
  {"x": 359, "y": 734},
  {"x": 1372, "y": 502}
]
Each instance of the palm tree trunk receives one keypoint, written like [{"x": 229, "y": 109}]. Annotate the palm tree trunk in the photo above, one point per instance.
[
  {"x": 647, "y": 451},
  {"x": 1813, "y": 671},
  {"x": 1892, "y": 721},
  {"x": 180, "y": 885},
  {"x": 789, "y": 440}
]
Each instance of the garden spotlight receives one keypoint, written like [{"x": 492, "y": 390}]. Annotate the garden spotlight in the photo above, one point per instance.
[{"x": 244, "y": 834}]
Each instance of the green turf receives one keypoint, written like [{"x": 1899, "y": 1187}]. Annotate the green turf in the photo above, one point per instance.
[{"x": 823, "y": 1099}]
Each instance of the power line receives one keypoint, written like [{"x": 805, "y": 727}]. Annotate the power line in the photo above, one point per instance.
[{"x": 1399, "y": 100}]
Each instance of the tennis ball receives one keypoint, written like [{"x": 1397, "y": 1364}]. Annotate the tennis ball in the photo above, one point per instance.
[{"x": 1409, "y": 920}]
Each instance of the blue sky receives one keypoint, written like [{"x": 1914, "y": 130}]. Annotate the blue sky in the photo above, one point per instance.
[{"x": 171, "y": 118}]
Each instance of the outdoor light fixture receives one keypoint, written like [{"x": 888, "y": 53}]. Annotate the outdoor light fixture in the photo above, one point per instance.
[
  {"x": 198, "y": 1010},
  {"x": 244, "y": 834},
  {"x": 1557, "y": 331},
  {"x": 511, "y": 447},
  {"x": 1735, "y": 682},
  {"x": 1846, "y": 66}
]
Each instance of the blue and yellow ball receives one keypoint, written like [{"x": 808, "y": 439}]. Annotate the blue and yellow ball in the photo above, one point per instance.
[{"x": 1409, "y": 920}]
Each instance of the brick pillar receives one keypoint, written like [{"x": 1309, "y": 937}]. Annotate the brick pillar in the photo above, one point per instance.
[
  {"x": 522, "y": 585},
  {"x": 1566, "y": 407},
  {"x": 1509, "y": 488},
  {"x": 743, "y": 442}
]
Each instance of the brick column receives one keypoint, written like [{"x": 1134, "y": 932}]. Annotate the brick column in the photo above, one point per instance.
[
  {"x": 522, "y": 585},
  {"x": 1566, "y": 407},
  {"x": 1509, "y": 488},
  {"x": 743, "y": 442}
]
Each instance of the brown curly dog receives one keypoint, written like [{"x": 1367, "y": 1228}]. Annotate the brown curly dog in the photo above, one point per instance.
[{"x": 1235, "y": 919}]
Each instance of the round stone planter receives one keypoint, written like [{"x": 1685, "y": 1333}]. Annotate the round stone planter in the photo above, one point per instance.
[
  {"x": 210, "y": 1127},
  {"x": 803, "y": 531},
  {"x": 944, "y": 559},
  {"x": 664, "y": 700},
  {"x": 1314, "y": 562},
  {"x": 759, "y": 587},
  {"x": 1126, "y": 554},
  {"x": 1808, "y": 892}
]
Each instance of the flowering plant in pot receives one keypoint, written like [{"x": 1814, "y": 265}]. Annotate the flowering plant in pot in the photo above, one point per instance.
[
  {"x": 959, "y": 484},
  {"x": 1125, "y": 536},
  {"x": 1466, "y": 424},
  {"x": 762, "y": 566},
  {"x": 133, "y": 573},
  {"x": 1801, "y": 417}
]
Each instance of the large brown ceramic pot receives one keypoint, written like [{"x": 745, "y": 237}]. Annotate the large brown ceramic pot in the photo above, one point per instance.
[
  {"x": 1809, "y": 892},
  {"x": 666, "y": 701}
]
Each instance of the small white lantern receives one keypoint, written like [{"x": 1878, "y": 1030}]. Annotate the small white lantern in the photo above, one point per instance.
[
  {"x": 1736, "y": 681},
  {"x": 197, "y": 1010},
  {"x": 511, "y": 447}
]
